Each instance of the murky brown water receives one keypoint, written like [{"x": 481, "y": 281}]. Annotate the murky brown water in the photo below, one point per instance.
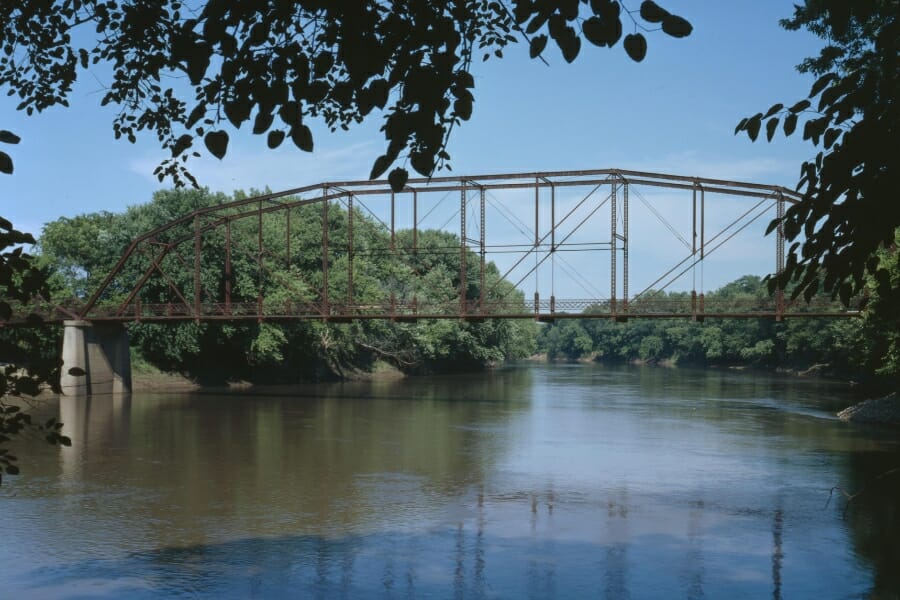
[{"x": 543, "y": 481}]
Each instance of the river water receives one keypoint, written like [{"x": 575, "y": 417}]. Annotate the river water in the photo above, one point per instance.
[{"x": 540, "y": 481}]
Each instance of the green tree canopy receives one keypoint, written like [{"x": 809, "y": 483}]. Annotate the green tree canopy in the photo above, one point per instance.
[{"x": 849, "y": 207}]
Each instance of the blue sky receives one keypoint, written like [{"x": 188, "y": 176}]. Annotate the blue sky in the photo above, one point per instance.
[{"x": 674, "y": 112}]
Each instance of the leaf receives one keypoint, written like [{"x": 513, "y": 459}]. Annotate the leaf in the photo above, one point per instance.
[
  {"x": 790, "y": 124},
  {"x": 238, "y": 111},
  {"x": 398, "y": 178},
  {"x": 12, "y": 469},
  {"x": 635, "y": 46},
  {"x": 800, "y": 106},
  {"x": 676, "y": 26},
  {"x": 275, "y": 138},
  {"x": 380, "y": 166},
  {"x": 537, "y": 45},
  {"x": 820, "y": 83},
  {"x": 217, "y": 143},
  {"x": 75, "y": 372},
  {"x": 463, "y": 108},
  {"x": 753, "y": 126},
  {"x": 262, "y": 122},
  {"x": 771, "y": 126},
  {"x": 181, "y": 144},
  {"x": 774, "y": 109},
  {"x": 6, "y": 164},
  {"x": 831, "y": 136},
  {"x": 8, "y": 137},
  {"x": 302, "y": 137},
  {"x": 197, "y": 63},
  {"x": 600, "y": 32},
  {"x": 741, "y": 125},
  {"x": 652, "y": 12}
]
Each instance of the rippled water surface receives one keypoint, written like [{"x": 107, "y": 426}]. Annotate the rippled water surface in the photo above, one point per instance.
[{"x": 549, "y": 481}]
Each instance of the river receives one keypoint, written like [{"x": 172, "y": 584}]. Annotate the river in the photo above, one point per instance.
[{"x": 538, "y": 481}]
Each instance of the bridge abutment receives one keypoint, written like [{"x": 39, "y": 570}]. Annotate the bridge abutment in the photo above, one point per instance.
[{"x": 100, "y": 350}]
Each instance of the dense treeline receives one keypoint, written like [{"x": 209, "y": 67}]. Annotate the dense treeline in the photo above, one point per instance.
[
  {"x": 82, "y": 250},
  {"x": 860, "y": 346}
]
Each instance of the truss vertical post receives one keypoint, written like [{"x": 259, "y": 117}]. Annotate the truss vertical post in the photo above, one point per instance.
[
  {"x": 552, "y": 246},
  {"x": 228, "y": 266},
  {"x": 350, "y": 250},
  {"x": 287, "y": 240},
  {"x": 325, "y": 309},
  {"x": 613, "y": 248},
  {"x": 393, "y": 211},
  {"x": 197, "y": 249},
  {"x": 259, "y": 261},
  {"x": 779, "y": 258},
  {"x": 415, "y": 247},
  {"x": 625, "y": 247},
  {"x": 702, "y": 246},
  {"x": 463, "y": 287},
  {"x": 537, "y": 243},
  {"x": 481, "y": 248}
]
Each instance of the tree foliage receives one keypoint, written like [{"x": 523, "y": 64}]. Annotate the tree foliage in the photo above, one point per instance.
[
  {"x": 855, "y": 346},
  {"x": 278, "y": 65},
  {"x": 294, "y": 350},
  {"x": 26, "y": 361},
  {"x": 849, "y": 208}
]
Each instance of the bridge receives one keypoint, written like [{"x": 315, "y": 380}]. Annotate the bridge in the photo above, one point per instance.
[{"x": 509, "y": 239}]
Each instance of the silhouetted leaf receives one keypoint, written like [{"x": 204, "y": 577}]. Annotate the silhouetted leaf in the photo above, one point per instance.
[
  {"x": 800, "y": 106},
  {"x": 398, "y": 178},
  {"x": 601, "y": 32},
  {"x": 302, "y": 137},
  {"x": 753, "y": 125},
  {"x": 537, "y": 45},
  {"x": 181, "y": 144},
  {"x": 774, "y": 109},
  {"x": 75, "y": 372},
  {"x": 8, "y": 137},
  {"x": 635, "y": 46},
  {"x": 6, "y": 164},
  {"x": 217, "y": 143},
  {"x": 676, "y": 26},
  {"x": 821, "y": 82},
  {"x": 652, "y": 12},
  {"x": 262, "y": 122},
  {"x": 771, "y": 126},
  {"x": 380, "y": 166},
  {"x": 790, "y": 124},
  {"x": 275, "y": 138}
]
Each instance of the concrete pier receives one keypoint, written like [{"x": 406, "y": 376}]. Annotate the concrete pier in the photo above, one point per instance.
[{"x": 101, "y": 351}]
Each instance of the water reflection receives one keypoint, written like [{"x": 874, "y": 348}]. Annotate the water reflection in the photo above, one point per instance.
[{"x": 542, "y": 482}]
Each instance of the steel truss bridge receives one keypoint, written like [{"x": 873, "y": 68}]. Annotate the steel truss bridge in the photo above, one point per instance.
[{"x": 222, "y": 263}]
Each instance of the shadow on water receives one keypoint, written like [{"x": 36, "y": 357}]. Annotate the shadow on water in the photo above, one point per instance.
[{"x": 461, "y": 561}]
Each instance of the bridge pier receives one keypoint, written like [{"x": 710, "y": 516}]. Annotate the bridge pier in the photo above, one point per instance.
[{"x": 100, "y": 350}]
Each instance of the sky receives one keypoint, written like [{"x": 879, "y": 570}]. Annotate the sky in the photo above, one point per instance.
[{"x": 675, "y": 112}]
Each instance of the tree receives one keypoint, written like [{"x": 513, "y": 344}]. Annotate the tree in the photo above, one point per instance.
[
  {"x": 849, "y": 208},
  {"x": 277, "y": 65},
  {"x": 25, "y": 364}
]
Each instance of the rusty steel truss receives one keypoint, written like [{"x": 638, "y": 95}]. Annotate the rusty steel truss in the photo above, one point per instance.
[{"x": 195, "y": 267}]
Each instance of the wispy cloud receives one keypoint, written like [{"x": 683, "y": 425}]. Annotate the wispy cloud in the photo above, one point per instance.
[
  {"x": 695, "y": 163},
  {"x": 246, "y": 167}
]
